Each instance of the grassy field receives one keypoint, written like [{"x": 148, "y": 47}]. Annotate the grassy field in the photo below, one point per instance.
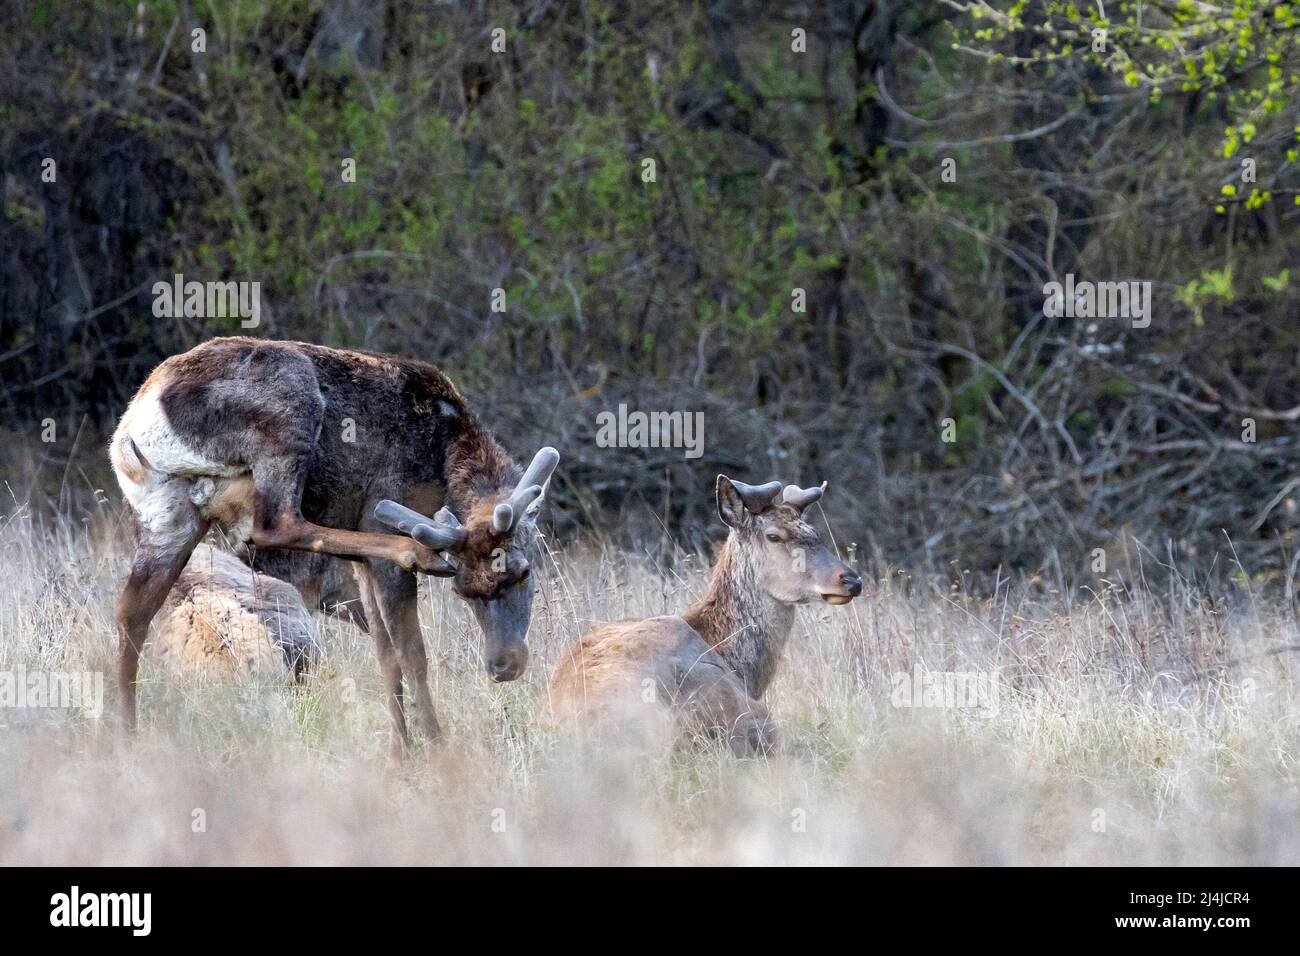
[{"x": 1121, "y": 725}]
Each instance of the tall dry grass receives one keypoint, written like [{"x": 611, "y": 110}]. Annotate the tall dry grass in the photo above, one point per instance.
[{"x": 1132, "y": 725}]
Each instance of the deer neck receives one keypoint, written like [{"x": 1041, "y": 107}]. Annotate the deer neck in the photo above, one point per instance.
[
  {"x": 478, "y": 470},
  {"x": 743, "y": 624}
]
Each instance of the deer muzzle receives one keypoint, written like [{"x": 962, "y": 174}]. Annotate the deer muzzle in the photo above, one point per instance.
[
  {"x": 504, "y": 621},
  {"x": 848, "y": 586}
]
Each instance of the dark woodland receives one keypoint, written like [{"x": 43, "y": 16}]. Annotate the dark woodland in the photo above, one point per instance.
[{"x": 840, "y": 258}]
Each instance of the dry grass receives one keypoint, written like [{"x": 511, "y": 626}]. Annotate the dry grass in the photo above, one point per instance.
[{"x": 1175, "y": 719}]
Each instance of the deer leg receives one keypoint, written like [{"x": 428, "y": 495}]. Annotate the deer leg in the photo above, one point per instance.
[
  {"x": 397, "y": 593},
  {"x": 297, "y": 534},
  {"x": 712, "y": 703},
  {"x": 278, "y": 523},
  {"x": 390, "y": 668},
  {"x": 158, "y": 562}
]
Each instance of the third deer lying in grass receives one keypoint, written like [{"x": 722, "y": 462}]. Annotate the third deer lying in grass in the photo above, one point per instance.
[
  {"x": 711, "y": 665},
  {"x": 223, "y": 619}
]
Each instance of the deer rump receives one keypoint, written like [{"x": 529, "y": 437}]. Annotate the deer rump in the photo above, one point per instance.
[
  {"x": 222, "y": 619},
  {"x": 657, "y": 676}
]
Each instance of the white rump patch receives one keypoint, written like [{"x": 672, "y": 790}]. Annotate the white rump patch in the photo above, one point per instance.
[
  {"x": 162, "y": 477},
  {"x": 161, "y": 447}
]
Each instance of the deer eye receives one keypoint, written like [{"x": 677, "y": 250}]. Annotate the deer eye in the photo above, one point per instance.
[{"x": 774, "y": 537}]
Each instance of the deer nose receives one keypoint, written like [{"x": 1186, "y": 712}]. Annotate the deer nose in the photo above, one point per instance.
[
  {"x": 509, "y": 664},
  {"x": 851, "y": 581},
  {"x": 503, "y": 669}
]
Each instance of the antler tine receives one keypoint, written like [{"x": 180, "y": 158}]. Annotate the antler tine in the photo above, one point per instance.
[
  {"x": 528, "y": 490},
  {"x": 398, "y": 516},
  {"x": 430, "y": 532},
  {"x": 801, "y": 498},
  {"x": 445, "y": 518},
  {"x": 757, "y": 497},
  {"x": 503, "y": 517},
  {"x": 504, "y": 514},
  {"x": 539, "y": 471},
  {"x": 439, "y": 539}
]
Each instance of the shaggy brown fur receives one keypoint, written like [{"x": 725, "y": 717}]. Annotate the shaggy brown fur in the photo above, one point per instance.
[{"x": 289, "y": 446}]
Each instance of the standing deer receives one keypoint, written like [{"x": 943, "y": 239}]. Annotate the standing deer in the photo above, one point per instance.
[
  {"x": 294, "y": 446},
  {"x": 711, "y": 665}
]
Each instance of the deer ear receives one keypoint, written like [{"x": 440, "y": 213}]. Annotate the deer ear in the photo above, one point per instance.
[{"x": 731, "y": 507}]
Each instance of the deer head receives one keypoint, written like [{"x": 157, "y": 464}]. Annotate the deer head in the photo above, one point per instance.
[
  {"x": 487, "y": 556},
  {"x": 792, "y": 563}
]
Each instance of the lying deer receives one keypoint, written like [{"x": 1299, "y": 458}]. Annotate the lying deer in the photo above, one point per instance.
[
  {"x": 294, "y": 446},
  {"x": 707, "y": 668},
  {"x": 223, "y": 619}
]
